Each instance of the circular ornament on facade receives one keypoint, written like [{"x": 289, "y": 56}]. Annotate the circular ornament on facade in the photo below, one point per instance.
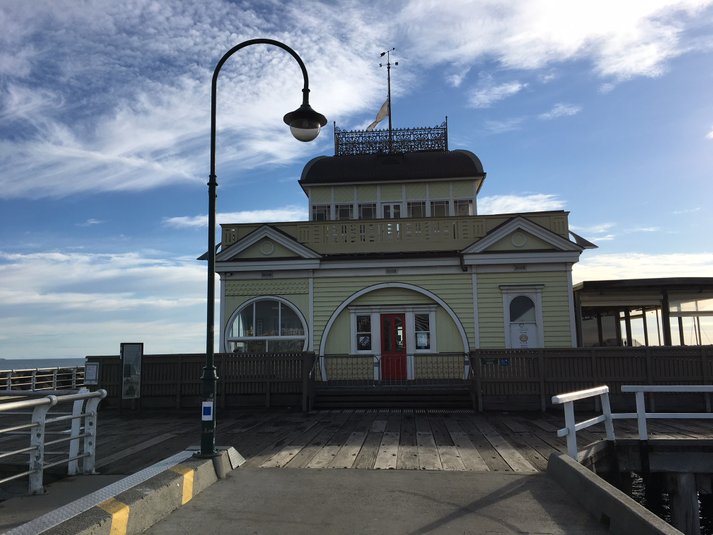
[
  {"x": 267, "y": 248},
  {"x": 519, "y": 239}
]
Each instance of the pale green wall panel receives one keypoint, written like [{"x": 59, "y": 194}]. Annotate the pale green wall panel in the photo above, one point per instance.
[
  {"x": 439, "y": 190},
  {"x": 321, "y": 195},
  {"x": 366, "y": 193},
  {"x": 344, "y": 194},
  {"x": 416, "y": 192},
  {"x": 555, "y": 306},
  {"x": 391, "y": 192},
  {"x": 463, "y": 190}
]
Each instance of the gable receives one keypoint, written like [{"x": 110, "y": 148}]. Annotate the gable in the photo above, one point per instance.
[
  {"x": 520, "y": 235},
  {"x": 266, "y": 248},
  {"x": 266, "y": 243},
  {"x": 520, "y": 240}
]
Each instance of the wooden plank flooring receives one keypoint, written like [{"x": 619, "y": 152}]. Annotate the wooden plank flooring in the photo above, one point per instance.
[
  {"x": 364, "y": 439},
  {"x": 361, "y": 439}
]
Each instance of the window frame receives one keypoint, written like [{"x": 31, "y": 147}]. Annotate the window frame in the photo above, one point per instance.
[{"x": 229, "y": 339}]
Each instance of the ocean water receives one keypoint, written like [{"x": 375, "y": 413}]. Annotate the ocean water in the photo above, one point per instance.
[{"x": 26, "y": 364}]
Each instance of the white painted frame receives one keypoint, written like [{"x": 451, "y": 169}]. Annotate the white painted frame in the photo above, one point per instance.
[{"x": 534, "y": 292}]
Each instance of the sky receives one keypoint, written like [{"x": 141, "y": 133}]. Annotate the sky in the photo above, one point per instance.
[{"x": 601, "y": 108}]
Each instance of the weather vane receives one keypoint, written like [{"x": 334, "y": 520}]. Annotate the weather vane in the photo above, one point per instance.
[{"x": 385, "y": 109}]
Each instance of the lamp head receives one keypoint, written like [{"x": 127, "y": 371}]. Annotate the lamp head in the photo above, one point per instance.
[{"x": 305, "y": 123}]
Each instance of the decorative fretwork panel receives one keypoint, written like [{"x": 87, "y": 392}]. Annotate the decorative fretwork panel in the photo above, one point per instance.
[{"x": 396, "y": 140}]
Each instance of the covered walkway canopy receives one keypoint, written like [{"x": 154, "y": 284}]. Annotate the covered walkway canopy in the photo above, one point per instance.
[{"x": 632, "y": 312}]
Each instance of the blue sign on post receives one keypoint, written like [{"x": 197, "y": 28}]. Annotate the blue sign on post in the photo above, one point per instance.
[
  {"x": 505, "y": 362},
  {"x": 207, "y": 411}
]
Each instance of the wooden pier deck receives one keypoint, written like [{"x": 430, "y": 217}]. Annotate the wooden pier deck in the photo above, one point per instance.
[{"x": 362, "y": 439}]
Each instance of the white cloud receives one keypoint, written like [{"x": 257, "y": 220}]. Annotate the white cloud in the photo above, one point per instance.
[
  {"x": 621, "y": 40},
  {"x": 488, "y": 93},
  {"x": 61, "y": 303},
  {"x": 709, "y": 135},
  {"x": 501, "y": 126},
  {"x": 560, "y": 110},
  {"x": 507, "y": 204},
  {"x": 599, "y": 266},
  {"x": 287, "y": 213}
]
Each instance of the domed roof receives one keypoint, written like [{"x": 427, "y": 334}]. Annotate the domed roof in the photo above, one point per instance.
[{"x": 399, "y": 167}]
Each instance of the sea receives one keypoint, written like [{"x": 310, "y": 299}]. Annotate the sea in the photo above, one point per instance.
[{"x": 28, "y": 364}]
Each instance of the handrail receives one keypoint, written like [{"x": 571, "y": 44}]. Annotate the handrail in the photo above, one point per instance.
[
  {"x": 642, "y": 415},
  {"x": 84, "y": 409},
  {"x": 572, "y": 426},
  {"x": 607, "y": 417},
  {"x": 31, "y": 379}
]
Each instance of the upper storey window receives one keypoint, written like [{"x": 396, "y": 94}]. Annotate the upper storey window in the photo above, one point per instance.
[
  {"x": 345, "y": 211},
  {"x": 439, "y": 208},
  {"x": 320, "y": 212},
  {"x": 367, "y": 211},
  {"x": 416, "y": 208},
  {"x": 463, "y": 207}
]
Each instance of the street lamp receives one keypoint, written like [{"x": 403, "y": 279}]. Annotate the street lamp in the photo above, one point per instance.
[{"x": 305, "y": 124}]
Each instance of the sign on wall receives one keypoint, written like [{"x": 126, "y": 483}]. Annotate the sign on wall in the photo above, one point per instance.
[{"x": 131, "y": 355}]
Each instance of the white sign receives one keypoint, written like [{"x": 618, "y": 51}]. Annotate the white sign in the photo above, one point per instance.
[{"x": 207, "y": 411}]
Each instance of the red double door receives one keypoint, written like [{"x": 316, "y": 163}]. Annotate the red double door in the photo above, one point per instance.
[{"x": 393, "y": 347}]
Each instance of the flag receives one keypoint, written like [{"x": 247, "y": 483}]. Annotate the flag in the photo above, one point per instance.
[{"x": 383, "y": 112}]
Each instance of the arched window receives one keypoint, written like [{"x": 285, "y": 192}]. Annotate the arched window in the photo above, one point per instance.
[
  {"x": 522, "y": 310},
  {"x": 266, "y": 325}
]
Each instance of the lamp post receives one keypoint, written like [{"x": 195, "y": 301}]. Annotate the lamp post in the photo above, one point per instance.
[{"x": 305, "y": 124}]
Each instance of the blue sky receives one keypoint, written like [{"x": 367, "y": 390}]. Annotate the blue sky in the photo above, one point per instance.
[{"x": 601, "y": 108}]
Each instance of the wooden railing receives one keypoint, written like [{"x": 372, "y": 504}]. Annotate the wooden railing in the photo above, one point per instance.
[
  {"x": 384, "y": 235},
  {"x": 528, "y": 378},
  {"x": 506, "y": 379},
  {"x": 174, "y": 380}
]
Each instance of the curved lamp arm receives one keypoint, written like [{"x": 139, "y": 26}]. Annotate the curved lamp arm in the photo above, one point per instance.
[{"x": 304, "y": 122}]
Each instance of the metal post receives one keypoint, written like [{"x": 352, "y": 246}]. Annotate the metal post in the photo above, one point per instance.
[
  {"x": 209, "y": 376},
  {"x": 37, "y": 443},
  {"x": 90, "y": 433}
]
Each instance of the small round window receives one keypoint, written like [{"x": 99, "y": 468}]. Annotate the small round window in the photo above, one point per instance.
[{"x": 266, "y": 326}]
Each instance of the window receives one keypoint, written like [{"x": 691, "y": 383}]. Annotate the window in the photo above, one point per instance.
[
  {"x": 345, "y": 211},
  {"x": 363, "y": 333},
  {"x": 367, "y": 211},
  {"x": 522, "y": 309},
  {"x": 423, "y": 331},
  {"x": 392, "y": 210},
  {"x": 463, "y": 207},
  {"x": 266, "y": 326},
  {"x": 439, "y": 209},
  {"x": 417, "y": 209},
  {"x": 320, "y": 212}
]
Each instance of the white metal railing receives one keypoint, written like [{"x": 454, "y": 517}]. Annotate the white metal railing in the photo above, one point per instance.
[
  {"x": 82, "y": 424},
  {"x": 642, "y": 415},
  {"x": 607, "y": 417},
  {"x": 59, "y": 378}
]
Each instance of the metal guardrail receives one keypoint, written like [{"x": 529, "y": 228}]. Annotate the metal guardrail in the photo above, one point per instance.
[
  {"x": 58, "y": 378},
  {"x": 607, "y": 417},
  {"x": 82, "y": 425}
]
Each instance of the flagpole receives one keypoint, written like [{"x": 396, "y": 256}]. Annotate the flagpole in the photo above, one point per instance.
[{"x": 388, "y": 94}]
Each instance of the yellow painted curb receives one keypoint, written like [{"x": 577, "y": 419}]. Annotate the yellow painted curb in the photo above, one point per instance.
[
  {"x": 187, "y": 472},
  {"x": 119, "y": 515}
]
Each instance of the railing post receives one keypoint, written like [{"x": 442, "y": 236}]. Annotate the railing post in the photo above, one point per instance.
[
  {"x": 606, "y": 411},
  {"x": 75, "y": 430},
  {"x": 55, "y": 376},
  {"x": 541, "y": 364},
  {"x": 33, "y": 380},
  {"x": 90, "y": 433},
  {"x": 37, "y": 443},
  {"x": 570, "y": 424},
  {"x": 641, "y": 416}
]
